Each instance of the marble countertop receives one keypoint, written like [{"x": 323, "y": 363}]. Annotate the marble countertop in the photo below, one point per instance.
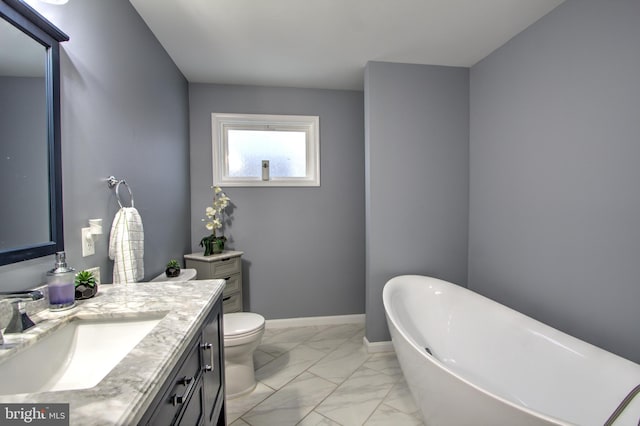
[
  {"x": 124, "y": 395},
  {"x": 226, "y": 254}
]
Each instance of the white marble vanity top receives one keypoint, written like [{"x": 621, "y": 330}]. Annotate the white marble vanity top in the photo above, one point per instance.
[{"x": 124, "y": 395}]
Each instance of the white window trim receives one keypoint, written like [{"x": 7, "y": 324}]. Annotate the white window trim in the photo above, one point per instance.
[{"x": 307, "y": 123}]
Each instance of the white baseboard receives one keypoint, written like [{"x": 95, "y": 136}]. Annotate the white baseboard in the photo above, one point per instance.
[
  {"x": 377, "y": 347},
  {"x": 372, "y": 347},
  {"x": 308, "y": 321}
]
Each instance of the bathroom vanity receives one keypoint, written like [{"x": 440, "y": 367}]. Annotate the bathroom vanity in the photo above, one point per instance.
[
  {"x": 173, "y": 375},
  {"x": 227, "y": 266}
]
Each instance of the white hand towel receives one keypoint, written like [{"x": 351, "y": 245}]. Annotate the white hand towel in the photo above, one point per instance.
[{"x": 126, "y": 246}]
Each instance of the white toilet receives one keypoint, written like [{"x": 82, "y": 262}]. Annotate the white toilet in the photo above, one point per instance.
[
  {"x": 185, "y": 275},
  {"x": 242, "y": 334}
]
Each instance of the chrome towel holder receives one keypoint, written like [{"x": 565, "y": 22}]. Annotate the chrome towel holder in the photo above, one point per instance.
[{"x": 113, "y": 182}]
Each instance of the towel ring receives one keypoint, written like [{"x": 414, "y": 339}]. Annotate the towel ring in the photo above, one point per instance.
[
  {"x": 118, "y": 193},
  {"x": 113, "y": 182}
]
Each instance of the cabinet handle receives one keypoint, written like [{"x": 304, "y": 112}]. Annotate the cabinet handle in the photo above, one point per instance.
[
  {"x": 208, "y": 347},
  {"x": 224, "y": 299},
  {"x": 227, "y": 279},
  {"x": 180, "y": 399}
]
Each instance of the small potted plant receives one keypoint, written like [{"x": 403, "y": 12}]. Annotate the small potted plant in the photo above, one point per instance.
[
  {"x": 86, "y": 286},
  {"x": 173, "y": 269}
]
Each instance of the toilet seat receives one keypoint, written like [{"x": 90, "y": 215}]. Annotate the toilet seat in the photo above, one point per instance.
[
  {"x": 240, "y": 327},
  {"x": 186, "y": 274}
]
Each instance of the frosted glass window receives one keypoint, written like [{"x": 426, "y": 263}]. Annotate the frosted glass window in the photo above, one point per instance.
[
  {"x": 243, "y": 143},
  {"x": 286, "y": 152}
]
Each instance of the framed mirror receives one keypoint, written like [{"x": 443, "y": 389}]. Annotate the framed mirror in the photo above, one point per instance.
[{"x": 30, "y": 151}]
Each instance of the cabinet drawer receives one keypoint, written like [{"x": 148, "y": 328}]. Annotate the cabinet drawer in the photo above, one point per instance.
[
  {"x": 225, "y": 267},
  {"x": 180, "y": 389},
  {"x": 232, "y": 303},
  {"x": 193, "y": 413},
  {"x": 233, "y": 285}
]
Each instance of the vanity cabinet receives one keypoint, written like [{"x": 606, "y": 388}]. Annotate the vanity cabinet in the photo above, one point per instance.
[
  {"x": 194, "y": 392},
  {"x": 227, "y": 266}
]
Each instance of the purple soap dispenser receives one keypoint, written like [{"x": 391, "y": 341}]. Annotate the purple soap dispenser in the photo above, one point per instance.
[{"x": 60, "y": 283}]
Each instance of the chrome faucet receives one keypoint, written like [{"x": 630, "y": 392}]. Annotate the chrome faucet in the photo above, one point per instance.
[{"x": 19, "y": 321}]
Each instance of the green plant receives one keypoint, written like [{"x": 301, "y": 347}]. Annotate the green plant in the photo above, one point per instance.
[
  {"x": 85, "y": 285},
  {"x": 173, "y": 264},
  {"x": 85, "y": 278},
  {"x": 213, "y": 244}
]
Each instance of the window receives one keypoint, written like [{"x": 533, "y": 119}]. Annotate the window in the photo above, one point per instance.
[{"x": 265, "y": 150}]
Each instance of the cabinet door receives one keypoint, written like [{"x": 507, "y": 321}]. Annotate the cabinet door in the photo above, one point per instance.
[
  {"x": 194, "y": 413},
  {"x": 213, "y": 367},
  {"x": 179, "y": 389}
]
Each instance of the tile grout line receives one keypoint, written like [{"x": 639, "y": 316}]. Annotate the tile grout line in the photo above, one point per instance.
[
  {"x": 319, "y": 414},
  {"x": 302, "y": 372},
  {"x": 380, "y": 403},
  {"x": 348, "y": 339},
  {"x": 340, "y": 384},
  {"x": 330, "y": 393},
  {"x": 315, "y": 362}
]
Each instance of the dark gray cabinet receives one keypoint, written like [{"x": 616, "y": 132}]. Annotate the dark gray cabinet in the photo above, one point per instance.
[
  {"x": 213, "y": 374},
  {"x": 194, "y": 392}
]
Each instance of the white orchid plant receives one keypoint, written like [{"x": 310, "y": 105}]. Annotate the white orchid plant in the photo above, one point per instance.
[
  {"x": 214, "y": 220},
  {"x": 214, "y": 212}
]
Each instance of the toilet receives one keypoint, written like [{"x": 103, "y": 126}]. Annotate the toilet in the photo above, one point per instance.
[
  {"x": 242, "y": 334},
  {"x": 185, "y": 275}
]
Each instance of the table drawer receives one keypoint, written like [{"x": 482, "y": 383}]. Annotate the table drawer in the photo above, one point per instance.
[
  {"x": 225, "y": 267},
  {"x": 232, "y": 303},
  {"x": 233, "y": 284}
]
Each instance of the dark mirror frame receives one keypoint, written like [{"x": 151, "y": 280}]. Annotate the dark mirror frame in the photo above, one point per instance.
[{"x": 25, "y": 18}]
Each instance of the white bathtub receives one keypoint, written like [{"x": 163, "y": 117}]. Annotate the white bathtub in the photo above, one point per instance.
[{"x": 494, "y": 366}]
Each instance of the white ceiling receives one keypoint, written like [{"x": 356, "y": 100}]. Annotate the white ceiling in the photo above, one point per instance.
[{"x": 327, "y": 43}]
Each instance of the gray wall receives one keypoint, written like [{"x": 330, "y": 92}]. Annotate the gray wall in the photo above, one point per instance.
[
  {"x": 417, "y": 161},
  {"x": 304, "y": 247},
  {"x": 555, "y": 205},
  {"x": 124, "y": 112}
]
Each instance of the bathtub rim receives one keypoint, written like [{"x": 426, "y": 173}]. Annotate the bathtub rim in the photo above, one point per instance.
[{"x": 386, "y": 295}]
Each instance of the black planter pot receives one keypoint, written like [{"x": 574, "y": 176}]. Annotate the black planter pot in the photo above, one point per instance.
[
  {"x": 85, "y": 291},
  {"x": 172, "y": 272}
]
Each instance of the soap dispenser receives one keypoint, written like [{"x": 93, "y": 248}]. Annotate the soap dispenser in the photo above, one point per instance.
[{"x": 60, "y": 283}]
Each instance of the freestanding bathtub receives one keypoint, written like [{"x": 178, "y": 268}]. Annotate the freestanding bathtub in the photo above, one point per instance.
[{"x": 469, "y": 360}]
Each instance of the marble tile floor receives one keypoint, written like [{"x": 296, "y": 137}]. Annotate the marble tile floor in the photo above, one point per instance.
[{"x": 323, "y": 375}]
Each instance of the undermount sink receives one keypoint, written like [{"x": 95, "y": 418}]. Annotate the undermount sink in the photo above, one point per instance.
[{"x": 78, "y": 355}]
